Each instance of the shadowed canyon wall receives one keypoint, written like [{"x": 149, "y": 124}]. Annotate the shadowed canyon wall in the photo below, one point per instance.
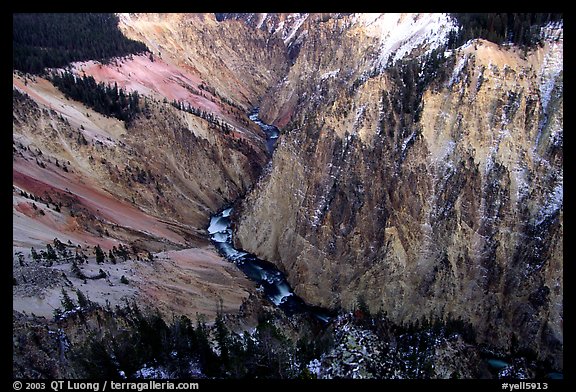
[{"x": 427, "y": 191}]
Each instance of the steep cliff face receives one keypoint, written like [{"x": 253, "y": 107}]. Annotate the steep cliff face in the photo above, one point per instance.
[
  {"x": 150, "y": 185},
  {"x": 240, "y": 63},
  {"x": 85, "y": 180},
  {"x": 429, "y": 191}
]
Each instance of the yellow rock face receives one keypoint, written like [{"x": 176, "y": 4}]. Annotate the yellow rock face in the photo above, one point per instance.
[{"x": 456, "y": 212}]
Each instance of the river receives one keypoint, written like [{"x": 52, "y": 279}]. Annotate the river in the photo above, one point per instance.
[
  {"x": 272, "y": 132},
  {"x": 271, "y": 281}
]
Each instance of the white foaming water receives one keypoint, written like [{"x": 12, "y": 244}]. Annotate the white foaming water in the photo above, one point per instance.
[
  {"x": 221, "y": 236},
  {"x": 217, "y": 225},
  {"x": 284, "y": 292},
  {"x": 230, "y": 252},
  {"x": 227, "y": 212}
]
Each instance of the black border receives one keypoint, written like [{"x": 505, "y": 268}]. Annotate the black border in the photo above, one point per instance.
[{"x": 291, "y": 6}]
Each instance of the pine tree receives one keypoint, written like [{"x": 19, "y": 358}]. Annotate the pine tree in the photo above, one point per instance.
[
  {"x": 66, "y": 301},
  {"x": 57, "y": 313},
  {"x": 20, "y": 256},
  {"x": 222, "y": 336},
  {"x": 122, "y": 252},
  {"x": 100, "y": 256},
  {"x": 83, "y": 301},
  {"x": 53, "y": 40},
  {"x": 77, "y": 271},
  {"x": 50, "y": 253},
  {"x": 34, "y": 254}
]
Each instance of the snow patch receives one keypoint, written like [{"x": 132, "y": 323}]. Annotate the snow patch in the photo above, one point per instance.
[
  {"x": 359, "y": 117},
  {"x": 401, "y": 33},
  {"x": 521, "y": 179},
  {"x": 455, "y": 78},
  {"x": 295, "y": 21},
  {"x": 552, "y": 66},
  {"x": 262, "y": 19},
  {"x": 554, "y": 201},
  {"x": 318, "y": 212},
  {"x": 330, "y": 74},
  {"x": 151, "y": 373},
  {"x": 444, "y": 152},
  {"x": 407, "y": 140}
]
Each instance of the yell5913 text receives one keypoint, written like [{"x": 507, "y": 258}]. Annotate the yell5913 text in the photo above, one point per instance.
[{"x": 524, "y": 385}]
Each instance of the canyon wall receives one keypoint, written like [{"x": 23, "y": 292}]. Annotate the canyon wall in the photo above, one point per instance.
[
  {"x": 151, "y": 185},
  {"x": 425, "y": 190},
  {"x": 425, "y": 182},
  {"x": 239, "y": 62}
]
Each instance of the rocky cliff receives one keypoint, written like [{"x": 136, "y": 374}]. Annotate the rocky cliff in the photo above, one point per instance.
[
  {"x": 417, "y": 179},
  {"x": 239, "y": 62},
  {"x": 150, "y": 185},
  {"x": 426, "y": 190}
]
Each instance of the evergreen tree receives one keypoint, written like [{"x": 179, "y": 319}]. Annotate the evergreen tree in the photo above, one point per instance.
[
  {"x": 522, "y": 29},
  {"x": 222, "y": 336},
  {"x": 123, "y": 252},
  {"x": 66, "y": 301},
  {"x": 50, "y": 253},
  {"x": 77, "y": 271},
  {"x": 83, "y": 301},
  {"x": 100, "y": 256},
  {"x": 105, "y": 99},
  {"x": 20, "y": 256},
  {"x": 49, "y": 40},
  {"x": 34, "y": 254}
]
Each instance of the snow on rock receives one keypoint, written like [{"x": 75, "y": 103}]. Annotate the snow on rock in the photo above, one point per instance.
[
  {"x": 520, "y": 181},
  {"x": 287, "y": 27},
  {"x": 294, "y": 21},
  {"x": 408, "y": 140},
  {"x": 455, "y": 78},
  {"x": 330, "y": 74},
  {"x": 262, "y": 18},
  {"x": 358, "y": 118},
  {"x": 552, "y": 66},
  {"x": 554, "y": 201},
  {"x": 151, "y": 373},
  {"x": 401, "y": 33}
]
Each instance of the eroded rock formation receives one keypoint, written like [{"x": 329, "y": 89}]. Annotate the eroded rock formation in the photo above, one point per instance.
[{"x": 428, "y": 192}]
